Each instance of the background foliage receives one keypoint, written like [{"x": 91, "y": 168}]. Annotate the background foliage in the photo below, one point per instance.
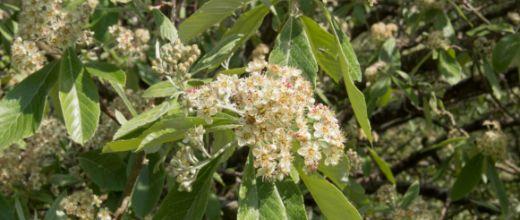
[{"x": 426, "y": 92}]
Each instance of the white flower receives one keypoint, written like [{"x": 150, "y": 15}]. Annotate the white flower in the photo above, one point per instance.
[
  {"x": 256, "y": 66},
  {"x": 311, "y": 155},
  {"x": 81, "y": 204},
  {"x": 276, "y": 108},
  {"x": 104, "y": 214},
  {"x": 27, "y": 57},
  {"x": 381, "y": 31},
  {"x": 131, "y": 44}
]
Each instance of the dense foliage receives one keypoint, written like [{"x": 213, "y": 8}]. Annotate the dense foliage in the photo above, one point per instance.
[{"x": 259, "y": 109}]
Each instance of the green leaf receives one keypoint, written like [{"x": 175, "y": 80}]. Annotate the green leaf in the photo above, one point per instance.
[
  {"x": 383, "y": 166},
  {"x": 189, "y": 205},
  {"x": 492, "y": 79},
  {"x": 292, "y": 198},
  {"x": 349, "y": 67},
  {"x": 148, "y": 188},
  {"x": 234, "y": 71},
  {"x": 159, "y": 137},
  {"x": 4, "y": 32},
  {"x": 442, "y": 23},
  {"x": 21, "y": 111},
  {"x": 79, "y": 99},
  {"x": 213, "y": 209},
  {"x": 246, "y": 25},
  {"x": 166, "y": 28},
  {"x": 211, "y": 13},
  {"x": 468, "y": 178},
  {"x": 332, "y": 203},
  {"x": 102, "y": 19},
  {"x": 51, "y": 214},
  {"x": 338, "y": 174},
  {"x": 160, "y": 90},
  {"x": 219, "y": 53},
  {"x": 323, "y": 47},
  {"x": 106, "y": 71},
  {"x": 121, "y": 93},
  {"x": 122, "y": 145},
  {"x": 6, "y": 209},
  {"x": 107, "y": 171},
  {"x": 168, "y": 130},
  {"x": 505, "y": 52},
  {"x": 259, "y": 199},
  {"x": 390, "y": 54},
  {"x": 145, "y": 118},
  {"x": 499, "y": 188},
  {"x": 411, "y": 194},
  {"x": 486, "y": 29},
  {"x": 115, "y": 76},
  {"x": 356, "y": 193},
  {"x": 449, "y": 67},
  {"x": 292, "y": 48}
]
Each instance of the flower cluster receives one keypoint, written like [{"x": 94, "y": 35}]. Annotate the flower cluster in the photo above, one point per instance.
[
  {"x": 131, "y": 44},
  {"x": 49, "y": 22},
  {"x": 381, "y": 31},
  {"x": 277, "y": 110},
  {"x": 436, "y": 40},
  {"x": 514, "y": 17},
  {"x": 3, "y": 14},
  {"x": 493, "y": 143},
  {"x": 175, "y": 59},
  {"x": 47, "y": 25},
  {"x": 83, "y": 205},
  {"x": 354, "y": 160},
  {"x": 24, "y": 168},
  {"x": 260, "y": 52},
  {"x": 372, "y": 70},
  {"x": 26, "y": 56},
  {"x": 184, "y": 164}
]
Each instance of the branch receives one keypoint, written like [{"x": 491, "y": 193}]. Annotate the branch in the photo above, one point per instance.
[
  {"x": 471, "y": 87},
  {"x": 127, "y": 193},
  {"x": 430, "y": 191},
  {"x": 373, "y": 182}
]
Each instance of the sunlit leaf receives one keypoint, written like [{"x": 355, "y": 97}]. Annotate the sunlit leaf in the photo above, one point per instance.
[
  {"x": 383, "y": 166},
  {"x": 106, "y": 72},
  {"x": 259, "y": 199},
  {"x": 349, "y": 67},
  {"x": 79, "y": 99},
  {"x": 332, "y": 203},
  {"x": 21, "y": 110},
  {"x": 166, "y": 28},
  {"x": 292, "y": 48},
  {"x": 468, "y": 178},
  {"x": 145, "y": 118},
  {"x": 411, "y": 194},
  {"x": 211, "y": 13}
]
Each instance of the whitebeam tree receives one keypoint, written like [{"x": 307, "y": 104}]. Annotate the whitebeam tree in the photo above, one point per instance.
[{"x": 259, "y": 109}]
